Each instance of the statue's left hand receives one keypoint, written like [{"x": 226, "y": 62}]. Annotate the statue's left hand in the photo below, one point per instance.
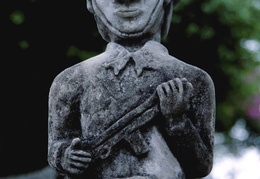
[
  {"x": 174, "y": 97},
  {"x": 75, "y": 161}
]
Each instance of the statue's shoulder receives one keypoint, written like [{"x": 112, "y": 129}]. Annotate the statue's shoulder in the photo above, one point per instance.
[
  {"x": 200, "y": 79},
  {"x": 68, "y": 81},
  {"x": 71, "y": 73},
  {"x": 193, "y": 73},
  {"x": 82, "y": 69},
  {"x": 77, "y": 75}
]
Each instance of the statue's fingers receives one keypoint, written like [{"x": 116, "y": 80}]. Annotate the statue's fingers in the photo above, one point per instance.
[
  {"x": 75, "y": 170},
  {"x": 186, "y": 85},
  {"x": 84, "y": 160},
  {"x": 160, "y": 92},
  {"x": 172, "y": 85},
  {"x": 76, "y": 164},
  {"x": 81, "y": 153},
  {"x": 184, "y": 80},
  {"x": 167, "y": 88},
  {"x": 75, "y": 143},
  {"x": 178, "y": 85},
  {"x": 187, "y": 90},
  {"x": 190, "y": 86}
]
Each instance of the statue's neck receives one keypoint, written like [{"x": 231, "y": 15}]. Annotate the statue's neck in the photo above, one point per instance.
[{"x": 134, "y": 44}]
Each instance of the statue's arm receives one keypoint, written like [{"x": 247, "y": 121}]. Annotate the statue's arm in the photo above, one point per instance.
[
  {"x": 191, "y": 132},
  {"x": 63, "y": 124}
]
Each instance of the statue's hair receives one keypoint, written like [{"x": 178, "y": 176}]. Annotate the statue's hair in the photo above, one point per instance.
[{"x": 168, "y": 7}]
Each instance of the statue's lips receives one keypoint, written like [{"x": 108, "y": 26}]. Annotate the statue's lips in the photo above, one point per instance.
[{"x": 128, "y": 13}]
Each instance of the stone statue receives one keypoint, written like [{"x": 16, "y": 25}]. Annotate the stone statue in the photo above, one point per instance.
[{"x": 134, "y": 111}]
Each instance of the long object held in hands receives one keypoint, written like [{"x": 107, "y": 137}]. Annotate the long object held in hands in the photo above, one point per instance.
[{"x": 101, "y": 146}]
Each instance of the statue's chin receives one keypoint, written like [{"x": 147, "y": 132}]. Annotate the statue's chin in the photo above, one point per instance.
[
  {"x": 126, "y": 28},
  {"x": 131, "y": 34}
]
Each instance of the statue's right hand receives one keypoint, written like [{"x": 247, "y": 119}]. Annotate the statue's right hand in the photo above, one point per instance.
[{"x": 75, "y": 161}]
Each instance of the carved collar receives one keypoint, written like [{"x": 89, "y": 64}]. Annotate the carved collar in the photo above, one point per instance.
[{"x": 145, "y": 58}]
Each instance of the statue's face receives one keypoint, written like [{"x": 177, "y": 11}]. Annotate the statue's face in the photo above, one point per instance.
[{"x": 128, "y": 16}]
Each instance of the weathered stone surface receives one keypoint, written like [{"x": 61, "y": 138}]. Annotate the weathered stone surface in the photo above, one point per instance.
[{"x": 133, "y": 111}]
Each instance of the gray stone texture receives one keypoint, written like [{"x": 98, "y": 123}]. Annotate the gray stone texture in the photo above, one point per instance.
[{"x": 133, "y": 111}]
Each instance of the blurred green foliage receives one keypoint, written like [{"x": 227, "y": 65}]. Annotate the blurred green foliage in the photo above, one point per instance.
[
  {"x": 17, "y": 17},
  {"x": 81, "y": 54},
  {"x": 24, "y": 44},
  {"x": 235, "y": 26}
]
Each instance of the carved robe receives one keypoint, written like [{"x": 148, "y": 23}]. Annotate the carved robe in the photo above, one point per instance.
[{"x": 87, "y": 98}]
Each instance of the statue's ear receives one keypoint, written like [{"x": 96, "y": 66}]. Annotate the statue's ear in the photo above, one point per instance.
[
  {"x": 167, "y": 18},
  {"x": 89, "y": 6}
]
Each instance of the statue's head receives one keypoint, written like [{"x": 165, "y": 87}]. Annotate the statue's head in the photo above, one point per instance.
[{"x": 132, "y": 18}]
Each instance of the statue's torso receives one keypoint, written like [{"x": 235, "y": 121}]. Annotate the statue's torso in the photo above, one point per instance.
[
  {"x": 90, "y": 97},
  {"x": 106, "y": 99}
]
